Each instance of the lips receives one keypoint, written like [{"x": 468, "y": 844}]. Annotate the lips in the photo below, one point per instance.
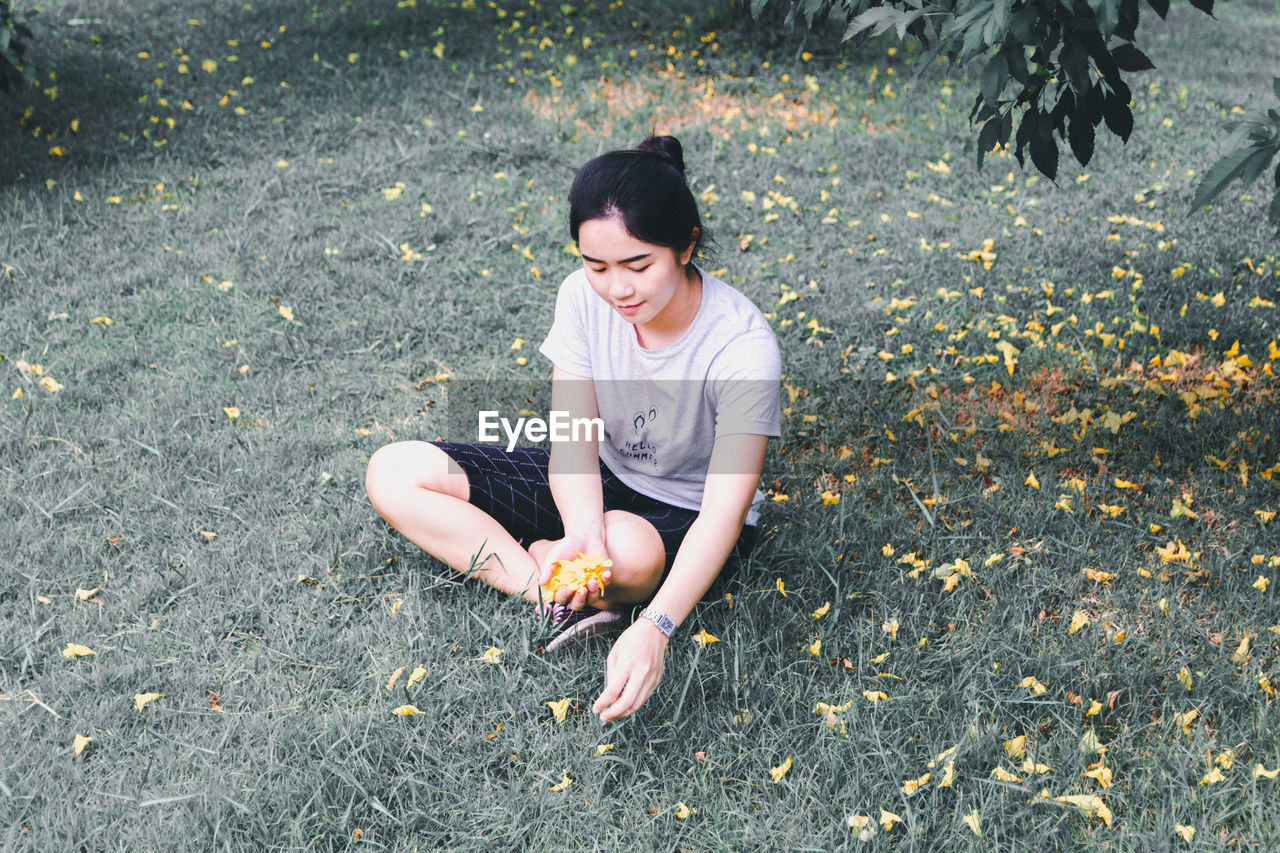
[{"x": 629, "y": 309}]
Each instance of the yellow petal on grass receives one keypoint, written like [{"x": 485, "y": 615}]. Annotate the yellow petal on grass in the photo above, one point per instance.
[
  {"x": 395, "y": 676},
  {"x": 406, "y": 711},
  {"x": 948, "y": 775},
  {"x": 1091, "y": 804},
  {"x": 78, "y": 744},
  {"x": 1016, "y": 747},
  {"x": 1241, "y": 655},
  {"x": 880, "y": 658},
  {"x": 971, "y": 820},
  {"x": 50, "y": 384},
  {"x": 826, "y": 608},
  {"x": 1186, "y": 833},
  {"x": 602, "y": 748},
  {"x": 874, "y": 696},
  {"x": 888, "y": 819},
  {"x": 1095, "y": 708},
  {"x": 782, "y": 587},
  {"x": 910, "y": 786},
  {"x": 86, "y": 594},
  {"x": 414, "y": 677},
  {"x": 559, "y": 709},
  {"x": 286, "y": 311},
  {"x": 1260, "y": 772},
  {"x": 702, "y": 638},
  {"x": 1004, "y": 775},
  {"x": 1184, "y": 676},
  {"x": 683, "y": 811},
  {"x": 1033, "y": 684},
  {"x": 890, "y": 627},
  {"x": 564, "y": 783},
  {"x": 102, "y": 321},
  {"x": 781, "y": 770},
  {"x": 75, "y": 650},
  {"x": 1010, "y": 354},
  {"x": 815, "y": 648},
  {"x": 393, "y": 192},
  {"x": 1100, "y": 774},
  {"x": 1097, "y": 576},
  {"x": 1186, "y": 720},
  {"x": 232, "y": 412},
  {"x": 1031, "y": 481},
  {"x": 142, "y": 700},
  {"x": 1213, "y": 777},
  {"x": 1079, "y": 619},
  {"x": 493, "y": 654}
]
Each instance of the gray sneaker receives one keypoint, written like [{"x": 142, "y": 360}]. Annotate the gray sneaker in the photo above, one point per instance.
[{"x": 573, "y": 627}]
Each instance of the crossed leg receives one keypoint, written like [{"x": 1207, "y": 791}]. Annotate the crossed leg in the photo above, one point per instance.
[{"x": 422, "y": 493}]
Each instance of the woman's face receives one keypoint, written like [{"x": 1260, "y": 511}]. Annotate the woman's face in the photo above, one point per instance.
[{"x": 637, "y": 279}]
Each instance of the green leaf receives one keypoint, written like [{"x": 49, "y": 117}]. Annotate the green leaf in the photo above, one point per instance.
[
  {"x": 994, "y": 77},
  {"x": 1129, "y": 58},
  {"x": 757, "y": 6},
  {"x": 1275, "y": 86},
  {"x": 1044, "y": 153},
  {"x": 1273, "y": 212},
  {"x": 987, "y": 138},
  {"x": 1081, "y": 137},
  {"x": 1205, "y": 6},
  {"x": 1160, "y": 7},
  {"x": 1108, "y": 14},
  {"x": 1226, "y": 170}
]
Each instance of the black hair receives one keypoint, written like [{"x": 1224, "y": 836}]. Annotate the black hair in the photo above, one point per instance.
[{"x": 646, "y": 189}]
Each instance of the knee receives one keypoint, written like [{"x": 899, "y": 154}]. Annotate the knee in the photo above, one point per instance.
[
  {"x": 384, "y": 474},
  {"x": 637, "y": 551}
]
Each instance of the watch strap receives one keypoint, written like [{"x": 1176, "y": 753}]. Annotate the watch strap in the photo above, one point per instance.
[{"x": 662, "y": 620}]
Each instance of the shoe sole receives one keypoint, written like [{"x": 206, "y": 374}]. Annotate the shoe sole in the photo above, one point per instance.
[{"x": 579, "y": 632}]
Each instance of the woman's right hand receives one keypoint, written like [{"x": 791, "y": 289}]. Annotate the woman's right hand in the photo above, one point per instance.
[{"x": 566, "y": 549}]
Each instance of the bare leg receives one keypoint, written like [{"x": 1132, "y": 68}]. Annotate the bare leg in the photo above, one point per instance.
[{"x": 422, "y": 493}]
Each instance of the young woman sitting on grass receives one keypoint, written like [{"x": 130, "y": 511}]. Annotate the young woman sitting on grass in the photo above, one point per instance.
[{"x": 683, "y": 371}]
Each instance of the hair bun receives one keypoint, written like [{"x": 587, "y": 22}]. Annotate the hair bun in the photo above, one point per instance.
[{"x": 666, "y": 147}]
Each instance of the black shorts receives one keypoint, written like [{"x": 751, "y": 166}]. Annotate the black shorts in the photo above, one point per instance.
[{"x": 514, "y": 490}]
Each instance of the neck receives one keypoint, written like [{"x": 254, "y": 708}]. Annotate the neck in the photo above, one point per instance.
[{"x": 675, "y": 319}]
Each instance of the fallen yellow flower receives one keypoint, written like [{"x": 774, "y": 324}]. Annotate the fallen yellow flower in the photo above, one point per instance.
[
  {"x": 781, "y": 770},
  {"x": 141, "y": 700},
  {"x": 75, "y": 650},
  {"x": 559, "y": 709},
  {"x": 1091, "y": 804},
  {"x": 910, "y": 786}
]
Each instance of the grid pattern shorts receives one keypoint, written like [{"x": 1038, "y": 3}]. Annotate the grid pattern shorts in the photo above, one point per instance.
[{"x": 514, "y": 490}]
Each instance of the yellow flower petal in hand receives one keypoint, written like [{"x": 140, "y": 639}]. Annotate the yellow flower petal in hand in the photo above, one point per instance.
[
  {"x": 75, "y": 650},
  {"x": 781, "y": 770},
  {"x": 702, "y": 638},
  {"x": 971, "y": 821},
  {"x": 493, "y": 654},
  {"x": 414, "y": 677},
  {"x": 1186, "y": 833},
  {"x": 574, "y": 573},
  {"x": 142, "y": 700},
  {"x": 564, "y": 783},
  {"x": 559, "y": 709},
  {"x": 79, "y": 743},
  {"x": 888, "y": 819},
  {"x": 406, "y": 711}
]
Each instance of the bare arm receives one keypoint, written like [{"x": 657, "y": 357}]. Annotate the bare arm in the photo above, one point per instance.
[
  {"x": 635, "y": 662},
  {"x": 574, "y": 474}
]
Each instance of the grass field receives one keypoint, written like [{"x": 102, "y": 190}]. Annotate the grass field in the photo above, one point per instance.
[{"x": 1013, "y": 589}]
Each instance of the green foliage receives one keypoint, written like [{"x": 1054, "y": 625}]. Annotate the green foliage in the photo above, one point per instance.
[
  {"x": 15, "y": 67},
  {"x": 1062, "y": 65},
  {"x": 1256, "y": 143}
]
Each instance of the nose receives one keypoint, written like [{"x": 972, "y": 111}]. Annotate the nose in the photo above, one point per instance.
[{"x": 619, "y": 288}]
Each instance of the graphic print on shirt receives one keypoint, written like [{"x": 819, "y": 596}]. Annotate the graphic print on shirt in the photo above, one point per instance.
[{"x": 639, "y": 448}]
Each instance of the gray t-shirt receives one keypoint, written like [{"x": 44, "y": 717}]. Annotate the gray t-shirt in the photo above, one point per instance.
[{"x": 664, "y": 408}]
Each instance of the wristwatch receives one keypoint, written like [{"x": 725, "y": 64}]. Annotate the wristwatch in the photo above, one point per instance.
[{"x": 662, "y": 620}]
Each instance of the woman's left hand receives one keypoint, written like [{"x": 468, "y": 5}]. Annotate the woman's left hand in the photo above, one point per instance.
[{"x": 634, "y": 669}]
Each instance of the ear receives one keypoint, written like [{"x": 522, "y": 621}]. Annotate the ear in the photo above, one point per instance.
[{"x": 687, "y": 254}]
